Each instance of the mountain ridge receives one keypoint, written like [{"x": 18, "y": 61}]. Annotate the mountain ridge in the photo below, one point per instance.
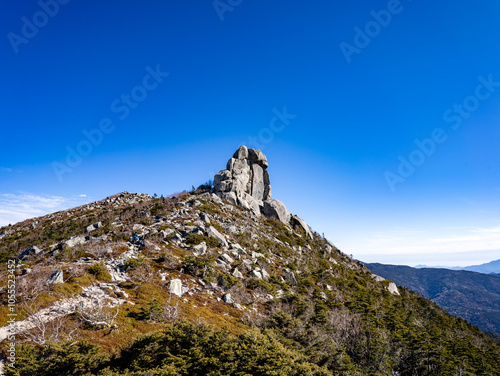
[{"x": 150, "y": 278}]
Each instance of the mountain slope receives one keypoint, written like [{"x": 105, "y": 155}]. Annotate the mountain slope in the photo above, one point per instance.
[
  {"x": 243, "y": 286},
  {"x": 472, "y": 296}
]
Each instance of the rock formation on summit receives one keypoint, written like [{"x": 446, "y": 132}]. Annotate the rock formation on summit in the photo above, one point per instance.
[{"x": 245, "y": 182}]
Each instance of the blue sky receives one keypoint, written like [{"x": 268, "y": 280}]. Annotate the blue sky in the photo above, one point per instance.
[{"x": 380, "y": 119}]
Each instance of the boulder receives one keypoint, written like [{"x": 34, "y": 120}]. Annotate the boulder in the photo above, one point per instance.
[
  {"x": 265, "y": 275},
  {"x": 93, "y": 227},
  {"x": 204, "y": 217},
  {"x": 248, "y": 202},
  {"x": 393, "y": 289},
  {"x": 167, "y": 233},
  {"x": 56, "y": 277},
  {"x": 200, "y": 249},
  {"x": 291, "y": 278},
  {"x": 228, "y": 299},
  {"x": 211, "y": 231},
  {"x": 74, "y": 241},
  {"x": 377, "y": 278},
  {"x": 277, "y": 210},
  {"x": 256, "y": 274},
  {"x": 226, "y": 258},
  {"x": 33, "y": 250},
  {"x": 300, "y": 222},
  {"x": 237, "y": 273}
]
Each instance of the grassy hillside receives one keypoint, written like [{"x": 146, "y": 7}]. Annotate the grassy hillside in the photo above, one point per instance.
[{"x": 266, "y": 299}]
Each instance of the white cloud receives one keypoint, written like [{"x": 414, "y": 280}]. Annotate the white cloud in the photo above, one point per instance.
[
  {"x": 18, "y": 207},
  {"x": 451, "y": 246}
]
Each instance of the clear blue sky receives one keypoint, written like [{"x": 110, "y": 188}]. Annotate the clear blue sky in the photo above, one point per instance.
[{"x": 336, "y": 93}]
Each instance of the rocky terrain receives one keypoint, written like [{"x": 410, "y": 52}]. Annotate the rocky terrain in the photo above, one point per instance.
[{"x": 229, "y": 256}]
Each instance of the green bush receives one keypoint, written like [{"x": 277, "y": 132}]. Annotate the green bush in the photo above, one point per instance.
[
  {"x": 99, "y": 270},
  {"x": 197, "y": 239}
]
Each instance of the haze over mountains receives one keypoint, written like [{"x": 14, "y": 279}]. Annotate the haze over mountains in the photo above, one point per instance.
[{"x": 492, "y": 267}]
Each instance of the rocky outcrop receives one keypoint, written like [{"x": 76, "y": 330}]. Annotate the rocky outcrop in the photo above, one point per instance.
[{"x": 245, "y": 181}]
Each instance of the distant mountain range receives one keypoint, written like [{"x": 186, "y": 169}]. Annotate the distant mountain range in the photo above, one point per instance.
[
  {"x": 492, "y": 267},
  {"x": 470, "y": 295}
]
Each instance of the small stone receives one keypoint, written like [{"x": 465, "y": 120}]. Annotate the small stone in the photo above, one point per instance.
[
  {"x": 265, "y": 275},
  {"x": 291, "y": 278},
  {"x": 228, "y": 299},
  {"x": 204, "y": 217},
  {"x": 256, "y": 255},
  {"x": 237, "y": 273},
  {"x": 176, "y": 287}
]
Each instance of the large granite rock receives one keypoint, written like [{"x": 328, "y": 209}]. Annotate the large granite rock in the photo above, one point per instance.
[
  {"x": 245, "y": 176},
  {"x": 245, "y": 182}
]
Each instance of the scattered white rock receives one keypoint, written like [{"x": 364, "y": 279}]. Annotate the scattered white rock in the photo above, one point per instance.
[
  {"x": 228, "y": 259},
  {"x": 176, "y": 287},
  {"x": 393, "y": 289}
]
